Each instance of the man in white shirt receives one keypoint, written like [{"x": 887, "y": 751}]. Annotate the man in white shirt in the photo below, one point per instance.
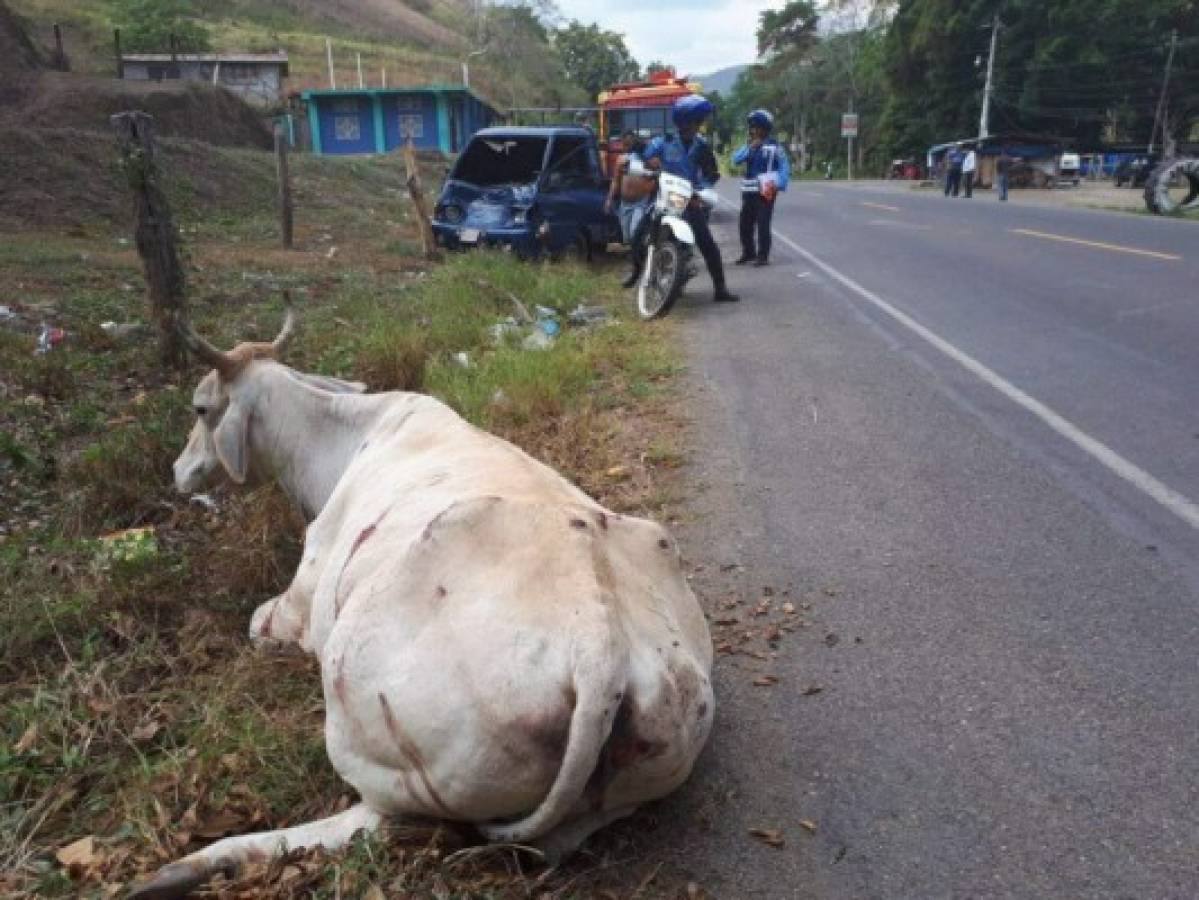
[{"x": 969, "y": 166}]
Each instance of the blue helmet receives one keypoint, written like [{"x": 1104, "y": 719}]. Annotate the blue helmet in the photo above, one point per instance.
[
  {"x": 691, "y": 110},
  {"x": 760, "y": 118}
]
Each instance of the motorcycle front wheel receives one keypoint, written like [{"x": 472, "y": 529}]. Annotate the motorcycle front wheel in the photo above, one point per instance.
[{"x": 663, "y": 279}]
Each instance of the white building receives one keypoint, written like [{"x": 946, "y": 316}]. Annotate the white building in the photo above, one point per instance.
[{"x": 256, "y": 77}]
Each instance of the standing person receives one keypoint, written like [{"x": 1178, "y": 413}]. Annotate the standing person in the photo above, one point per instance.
[
  {"x": 1003, "y": 171},
  {"x": 687, "y": 155},
  {"x": 953, "y": 170},
  {"x": 767, "y": 172},
  {"x": 969, "y": 167},
  {"x": 630, "y": 195}
]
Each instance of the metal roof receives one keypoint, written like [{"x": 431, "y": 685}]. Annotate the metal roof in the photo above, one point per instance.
[{"x": 320, "y": 93}]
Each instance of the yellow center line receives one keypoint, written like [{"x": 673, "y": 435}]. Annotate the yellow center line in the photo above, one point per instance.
[
  {"x": 880, "y": 206},
  {"x": 1100, "y": 245}
]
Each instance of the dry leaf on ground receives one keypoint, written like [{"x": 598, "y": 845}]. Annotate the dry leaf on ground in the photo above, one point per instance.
[
  {"x": 81, "y": 855},
  {"x": 766, "y": 681},
  {"x": 27, "y": 740},
  {"x": 772, "y": 837},
  {"x": 808, "y": 825}
]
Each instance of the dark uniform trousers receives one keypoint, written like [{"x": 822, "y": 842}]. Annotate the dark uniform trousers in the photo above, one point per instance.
[{"x": 756, "y": 215}]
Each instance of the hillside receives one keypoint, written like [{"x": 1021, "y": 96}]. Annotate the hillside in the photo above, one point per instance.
[
  {"x": 722, "y": 80},
  {"x": 417, "y": 42}
]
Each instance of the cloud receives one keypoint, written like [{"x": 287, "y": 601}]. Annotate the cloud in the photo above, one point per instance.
[{"x": 695, "y": 36}]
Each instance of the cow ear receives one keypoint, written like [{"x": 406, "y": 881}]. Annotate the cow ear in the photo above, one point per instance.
[{"x": 230, "y": 440}]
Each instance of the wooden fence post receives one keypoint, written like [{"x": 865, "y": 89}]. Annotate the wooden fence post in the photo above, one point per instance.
[
  {"x": 155, "y": 234},
  {"x": 286, "y": 215},
  {"x": 417, "y": 193}
]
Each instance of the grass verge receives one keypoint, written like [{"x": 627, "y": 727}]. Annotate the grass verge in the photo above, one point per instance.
[{"x": 136, "y": 724}]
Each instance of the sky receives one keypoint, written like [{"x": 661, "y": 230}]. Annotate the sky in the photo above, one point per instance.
[{"x": 695, "y": 36}]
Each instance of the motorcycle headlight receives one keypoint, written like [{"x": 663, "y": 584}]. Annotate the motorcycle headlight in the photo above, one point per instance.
[{"x": 676, "y": 202}]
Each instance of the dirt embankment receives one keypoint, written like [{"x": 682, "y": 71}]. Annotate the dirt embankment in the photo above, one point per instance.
[{"x": 58, "y": 149}]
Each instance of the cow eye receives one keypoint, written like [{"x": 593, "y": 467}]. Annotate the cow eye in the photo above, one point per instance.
[{"x": 201, "y": 411}]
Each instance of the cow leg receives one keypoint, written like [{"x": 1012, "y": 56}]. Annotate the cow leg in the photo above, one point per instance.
[
  {"x": 560, "y": 843},
  {"x": 284, "y": 619},
  {"x": 228, "y": 856},
  {"x": 276, "y": 623}
]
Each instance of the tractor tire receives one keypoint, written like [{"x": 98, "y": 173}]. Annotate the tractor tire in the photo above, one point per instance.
[{"x": 1157, "y": 187}]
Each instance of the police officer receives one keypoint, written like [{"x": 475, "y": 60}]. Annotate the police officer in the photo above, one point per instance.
[
  {"x": 767, "y": 172},
  {"x": 687, "y": 155}
]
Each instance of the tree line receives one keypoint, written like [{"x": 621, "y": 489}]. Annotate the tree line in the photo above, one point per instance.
[{"x": 1090, "y": 72}]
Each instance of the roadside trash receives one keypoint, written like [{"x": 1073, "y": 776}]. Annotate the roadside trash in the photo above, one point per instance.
[
  {"x": 48, "y": 339},
  {"x": 582, "y": 316},
  {"x": 539, "y": 339},
  {"x": 122, "y": 331},
  {"x": 204, "y": 500},
  {"x": 6, "y": 314},
  {"x": 547, "y": 321},
  {"x": 520, "y": 308},
  {"x": 500, "y": 330},
  {"x": 462, "y": 358}
]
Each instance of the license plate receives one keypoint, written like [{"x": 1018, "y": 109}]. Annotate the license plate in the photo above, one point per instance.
[{"x": 469, "y": 235}]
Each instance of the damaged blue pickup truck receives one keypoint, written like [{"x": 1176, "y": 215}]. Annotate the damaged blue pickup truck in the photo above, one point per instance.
[{"x": 532, "y": 190}]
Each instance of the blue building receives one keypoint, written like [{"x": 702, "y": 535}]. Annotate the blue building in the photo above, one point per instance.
[{"x": 378, "y": 120}]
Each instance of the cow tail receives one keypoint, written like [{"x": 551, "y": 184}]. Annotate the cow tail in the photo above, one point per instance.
[{"x": 600, "y": 671}]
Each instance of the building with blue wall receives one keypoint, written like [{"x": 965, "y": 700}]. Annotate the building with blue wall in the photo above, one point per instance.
[{"x": 378, "y": 120}]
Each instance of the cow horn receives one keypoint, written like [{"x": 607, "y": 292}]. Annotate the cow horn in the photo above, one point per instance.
[
  {"x": 204, "y": 351},
  {"x": 279, "y": 344}
]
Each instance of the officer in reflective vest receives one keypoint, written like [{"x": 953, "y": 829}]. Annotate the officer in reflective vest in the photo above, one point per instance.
[{"x": 767, "y": 172}]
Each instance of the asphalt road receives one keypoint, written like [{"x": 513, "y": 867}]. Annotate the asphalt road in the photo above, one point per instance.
[{"x": 966, "y": 435}]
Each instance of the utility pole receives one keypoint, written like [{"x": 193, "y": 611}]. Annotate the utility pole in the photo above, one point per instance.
[
  {"x": 1161, "y": 101},
  {"x": 984, "y": 123}
]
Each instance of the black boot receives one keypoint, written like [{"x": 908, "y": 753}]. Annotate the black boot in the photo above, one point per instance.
[
  {"x": 743, "y": 259},
  {"x": 724, "y": 295},
  {"x": 761, "y": 261}
]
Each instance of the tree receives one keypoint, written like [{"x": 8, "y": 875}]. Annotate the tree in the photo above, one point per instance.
[
  {"x": 522, "y": 58},
  {"x": 788, "y": 34},
  {"x": 1088, "y": 71},
  {"x": 148, "y": 26},
  {"x": 595, "y": 59}
]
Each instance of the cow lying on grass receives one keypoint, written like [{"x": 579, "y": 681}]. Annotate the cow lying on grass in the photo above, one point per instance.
[{"x": 495, "y": 646}]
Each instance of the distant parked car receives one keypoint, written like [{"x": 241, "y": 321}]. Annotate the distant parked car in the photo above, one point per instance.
[
  {"x": 1069, "y": 168},
  {"x": 533, "y": 190},
  {"x": 1135, "y": 172}
]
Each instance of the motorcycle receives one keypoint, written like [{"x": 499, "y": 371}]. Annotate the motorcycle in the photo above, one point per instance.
[{"x": 670, "y": 242}]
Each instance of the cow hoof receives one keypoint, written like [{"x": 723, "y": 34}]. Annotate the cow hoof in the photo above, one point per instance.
[{"x": 175, "y": 880}]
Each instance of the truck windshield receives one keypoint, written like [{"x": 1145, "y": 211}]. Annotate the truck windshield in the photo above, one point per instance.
[{"x": 490, "y": 161}]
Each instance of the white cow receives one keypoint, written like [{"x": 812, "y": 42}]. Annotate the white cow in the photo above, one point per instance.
[{"x": 495, "y": 646}]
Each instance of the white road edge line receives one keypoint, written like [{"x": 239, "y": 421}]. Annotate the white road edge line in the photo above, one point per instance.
[{"x": 1183, "y": 507}]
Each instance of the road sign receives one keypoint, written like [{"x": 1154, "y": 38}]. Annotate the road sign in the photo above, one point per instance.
[{"x": 849, "y": 125}]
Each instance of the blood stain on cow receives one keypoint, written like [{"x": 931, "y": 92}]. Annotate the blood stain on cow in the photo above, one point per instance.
[
  {"x": 578, "y": 523},
  {"x": 663, "y": 543},
  {"x": 602, "y": 518},
  {"x": 440, "y": 592},
  {"x": 412, "y": 755},
  {"x": 363, "y": 536}
]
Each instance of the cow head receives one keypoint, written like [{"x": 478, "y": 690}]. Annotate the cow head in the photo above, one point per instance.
[{"x": 223, "y": 402}]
